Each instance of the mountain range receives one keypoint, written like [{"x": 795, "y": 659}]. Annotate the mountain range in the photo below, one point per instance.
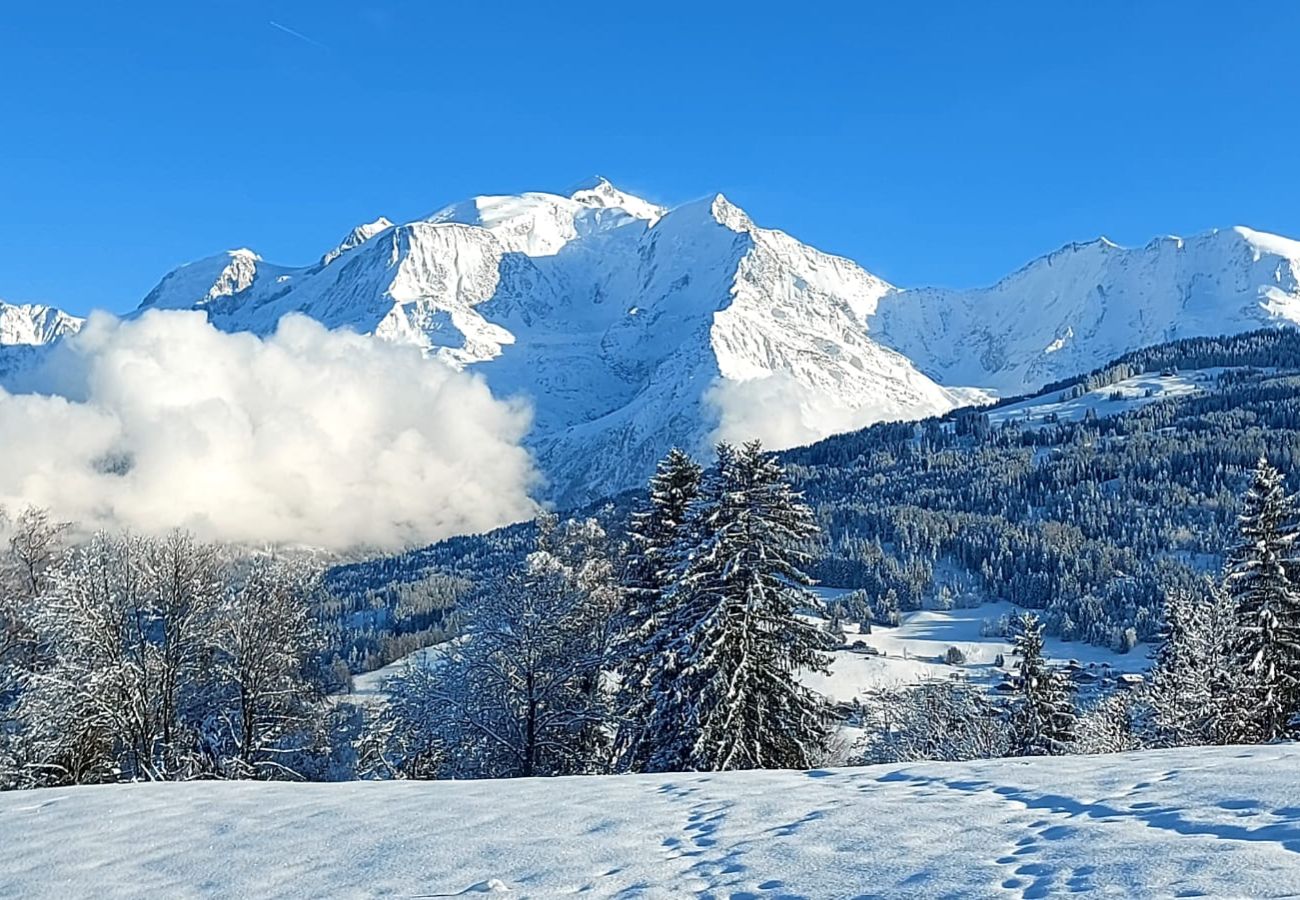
[{"x": 632, "y": 327}]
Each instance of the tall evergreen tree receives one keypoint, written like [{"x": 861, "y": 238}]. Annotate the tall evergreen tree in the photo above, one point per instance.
[
  {"x": 656, "y": 526},
  {"x": 1043, "y": 720},
  {"x": 1260, "y": 579},
  {"x": 723, "y": 682},
  {"x": 656, "y": 532}
]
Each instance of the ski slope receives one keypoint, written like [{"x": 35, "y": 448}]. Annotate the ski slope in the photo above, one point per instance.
[{"x": 1217, "y": 822}]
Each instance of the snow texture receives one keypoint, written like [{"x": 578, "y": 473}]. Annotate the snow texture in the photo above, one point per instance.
[
  {"x": 1112, "y": 400},
  {"x": 34, "y": 324},
  {"x": 630, "y": 327},
  {"x": 1220, "y": 822},
  {"x": 1085, "y": 304}
]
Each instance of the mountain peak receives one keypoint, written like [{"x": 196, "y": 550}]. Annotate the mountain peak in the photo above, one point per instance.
[
  {"x": 34, "y": 323},
  {"x": 729, "y": 214},
  {"x": 593, "y": 183},
  {"x": 599, "y": 192},
  {"x": 195, "y": 284},
  {"x": 356, "y": 237}
]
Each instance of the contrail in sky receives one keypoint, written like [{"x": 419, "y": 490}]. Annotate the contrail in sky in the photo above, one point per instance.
[{"x": 298, "y": 34}]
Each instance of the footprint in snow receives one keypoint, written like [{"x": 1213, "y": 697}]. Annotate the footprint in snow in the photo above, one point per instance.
[{"x": 491, "y": 886}]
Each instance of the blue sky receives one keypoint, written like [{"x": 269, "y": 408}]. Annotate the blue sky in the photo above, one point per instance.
[{"x": 946, "y": 142}]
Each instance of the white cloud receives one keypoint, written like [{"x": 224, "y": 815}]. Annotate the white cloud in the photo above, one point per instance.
[
  {"x": 309, "y": 436},
  {"x": 782, "y": 412}
]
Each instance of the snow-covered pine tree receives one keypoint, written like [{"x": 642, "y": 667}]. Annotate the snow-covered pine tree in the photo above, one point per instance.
[
  {"x": 1190, "y": 694},
  {"x": 656, "y": 532},
  {"x": 724, "y": 687},
  {"x": 1043, "y": 719},
  {"x": 1259, "y": 577},
  {"x": 656, "y": 526}
]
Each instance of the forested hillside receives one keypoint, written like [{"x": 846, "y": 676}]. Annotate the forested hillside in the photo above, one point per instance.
[{"x": 1091, "y": 520}]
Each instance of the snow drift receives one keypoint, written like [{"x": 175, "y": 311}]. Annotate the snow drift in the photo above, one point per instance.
[{"x": 307, "y": 435}]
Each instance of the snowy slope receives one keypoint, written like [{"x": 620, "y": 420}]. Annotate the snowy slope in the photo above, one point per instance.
[
  {"x": 1112, "y": 400},
  {"x": 909, "y": 653},
  {"x": 1085, "y": 304},
  {"x": 1216, "y": 822}
]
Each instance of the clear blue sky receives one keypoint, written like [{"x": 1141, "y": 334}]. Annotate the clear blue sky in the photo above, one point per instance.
[{"x": 943, "y": 142}]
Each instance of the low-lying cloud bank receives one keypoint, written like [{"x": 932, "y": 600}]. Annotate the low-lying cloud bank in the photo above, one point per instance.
[
  {"x": 310, "y": 436},
  {"x": 782, "y": 412}
]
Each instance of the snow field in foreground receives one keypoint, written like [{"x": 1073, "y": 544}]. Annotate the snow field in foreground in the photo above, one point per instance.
[{"x": 1220, "y": 822}]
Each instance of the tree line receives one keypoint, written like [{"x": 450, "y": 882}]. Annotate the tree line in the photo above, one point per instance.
[
  {"x": 680, "y": 649},
  {"x": 1226, "y": 669},
  {"x": 1089, "y": 523}
]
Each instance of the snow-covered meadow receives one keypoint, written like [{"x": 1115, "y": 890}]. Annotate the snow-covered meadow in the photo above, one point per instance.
[
  {"x": 1121, "y": 397},
  {"x": 1216, "y": 822},
  {"x": 914, "y": 652}
]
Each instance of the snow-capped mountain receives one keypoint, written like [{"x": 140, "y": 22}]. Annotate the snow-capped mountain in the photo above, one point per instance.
[
  {"x": 1075, "y": 309},
  {"x": 617, "y": 318},
  {"x": 33, "y": 324},
  {"x": 632, "y": 327},
  {"x": 26, "y": 330}
]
